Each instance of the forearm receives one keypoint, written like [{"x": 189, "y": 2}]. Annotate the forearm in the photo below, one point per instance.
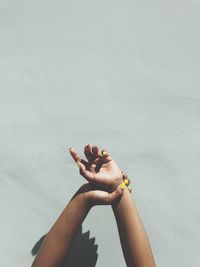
[
  {"x": 57, "y": 242},
  {"x": 134, "y": 240}
]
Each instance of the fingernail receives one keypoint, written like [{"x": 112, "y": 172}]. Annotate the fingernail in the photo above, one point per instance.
[{"x": 104, "y": 153}]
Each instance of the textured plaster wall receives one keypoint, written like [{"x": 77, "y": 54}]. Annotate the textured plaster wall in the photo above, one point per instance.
[{"x": 121, "y": 74}]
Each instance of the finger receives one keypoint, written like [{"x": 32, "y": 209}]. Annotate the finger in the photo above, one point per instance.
[
  {"x": 88, "y": 175},
  {"x": 88, "y": 152},
  {"x": 106, "y": 157},
  {"x": 96, "y": 152},
  {"x": 97, "y": 155},
  {"x": 93, "y": 177},
  {"x": 82, "y": 164},
  {"x": 74, "y": 154}
]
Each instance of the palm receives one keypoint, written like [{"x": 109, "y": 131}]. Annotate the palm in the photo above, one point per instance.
[
  {"x": 107, "y": 172},
  {"x": 97, "y": 169}
]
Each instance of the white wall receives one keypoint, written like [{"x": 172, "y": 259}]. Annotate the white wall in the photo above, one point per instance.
[{"x": 121, "y": 74}]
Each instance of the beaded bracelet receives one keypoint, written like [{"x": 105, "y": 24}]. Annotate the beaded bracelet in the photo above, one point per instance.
[{"x": 126, "y": 182}]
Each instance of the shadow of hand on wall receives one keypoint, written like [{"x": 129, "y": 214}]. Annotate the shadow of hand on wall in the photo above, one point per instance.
[{"x": 83, "y": 251}]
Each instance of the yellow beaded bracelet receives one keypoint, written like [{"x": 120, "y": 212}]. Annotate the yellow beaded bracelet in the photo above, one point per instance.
[{"x": 126, "y": 182}]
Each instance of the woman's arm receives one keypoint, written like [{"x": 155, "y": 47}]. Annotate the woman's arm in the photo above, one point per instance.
[
  {"x": 134, "y": 240},
  {"x": 104, "y": 187},
  {"x": 57, "y": 242}
]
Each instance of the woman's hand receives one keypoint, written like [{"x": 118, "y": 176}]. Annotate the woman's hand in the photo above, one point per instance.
[
  {"x": 101, "y": 171},
  {"x": 98, "y": 169},
  {"x": 95, "y": 195}
]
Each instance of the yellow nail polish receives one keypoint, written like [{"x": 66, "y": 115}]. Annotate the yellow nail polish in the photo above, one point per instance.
[{"x": 104, "y": 153}]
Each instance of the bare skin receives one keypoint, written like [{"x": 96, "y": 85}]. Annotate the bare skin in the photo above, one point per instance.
[
  {"x": 103, "y": 188},
  {"x": 135, "y": 244}
]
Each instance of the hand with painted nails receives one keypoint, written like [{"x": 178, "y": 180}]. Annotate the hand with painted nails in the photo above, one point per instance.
[
  {"x": 106, "y": 184},
  {"x": 101, "y": 171}
]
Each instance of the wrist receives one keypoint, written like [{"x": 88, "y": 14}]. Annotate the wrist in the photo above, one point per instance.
[
  {"x": 84, "y": 193},
  {"x": 123, "y": 182},
  {"x": 118, "y": 203},
  {"x": 87, "y": 197},
  {"x": 116, "y": 183}
]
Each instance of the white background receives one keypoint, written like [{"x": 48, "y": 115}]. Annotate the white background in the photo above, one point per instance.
[{"x": 121, "y": 74}]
